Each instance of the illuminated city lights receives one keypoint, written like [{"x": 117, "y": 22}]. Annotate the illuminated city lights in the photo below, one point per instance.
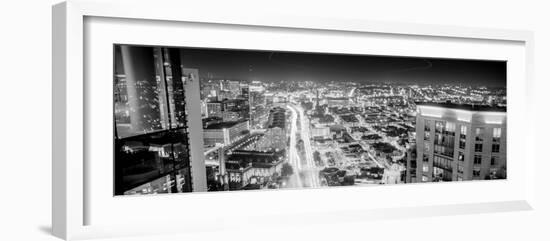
[{"x": 273, "y": 120}]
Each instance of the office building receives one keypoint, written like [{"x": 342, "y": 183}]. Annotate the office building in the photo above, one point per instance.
[
  {"x": 225, "y": 133},
  {"x": 214, "y": 109},
  {"x": 258, "y": 109},
  {"x": 457, "y": 142},
  {"x": 235, "y": 109},
  {"x": 210, "y": 89},
  {"x": 152, "y": 143}
]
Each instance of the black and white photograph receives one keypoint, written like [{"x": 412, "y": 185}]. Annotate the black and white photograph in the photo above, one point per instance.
[{"x": 294, "y": 120}]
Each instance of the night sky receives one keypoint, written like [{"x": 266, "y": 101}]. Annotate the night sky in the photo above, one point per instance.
[{"x": 275, "y": 66}]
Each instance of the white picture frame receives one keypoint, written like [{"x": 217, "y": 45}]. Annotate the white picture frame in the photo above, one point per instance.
[{"x": 73, "y": 195}]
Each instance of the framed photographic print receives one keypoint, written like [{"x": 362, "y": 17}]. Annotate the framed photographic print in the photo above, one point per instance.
[{"x": 227, "y": 119}]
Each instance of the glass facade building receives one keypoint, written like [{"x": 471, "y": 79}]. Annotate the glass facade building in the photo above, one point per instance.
[{"x": 151, "y": 140}]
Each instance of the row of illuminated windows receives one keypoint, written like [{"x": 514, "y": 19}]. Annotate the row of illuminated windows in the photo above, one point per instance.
[
  {"x": 439, "y": 162},
  {"x": 448, "y": 128},
  {"x": 444, "y": 150},
  {"x": 443, "y": 163},
  {"x": 441, "y": 126},
  {"x": 151, "y": 136},
  {"x": 475, "y": 172},
  {"x": 447, "y": 163},
  {"x": 176, "y": 183},
  {"x": 147, "y": 96},
  {"x": 441, "y": 145},
  {"x": 497, "y": 132}
]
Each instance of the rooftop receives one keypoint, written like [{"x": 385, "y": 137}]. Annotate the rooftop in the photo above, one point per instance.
[
  {"x": 222, "y": 125},
  {"x": 471, "y": 107}
]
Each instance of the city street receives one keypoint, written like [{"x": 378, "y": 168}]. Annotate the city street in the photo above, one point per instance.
[
  {"x": 304, "y": 126},
  {"x": 292, "y": 152},
  {"x": 309, "y": 171}
]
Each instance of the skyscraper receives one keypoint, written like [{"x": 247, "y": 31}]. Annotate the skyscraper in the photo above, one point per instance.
[
  {"x": 258, "y": 110},
  {"x": 458, "y": 142},
  {"x": 152, "y": 137}
]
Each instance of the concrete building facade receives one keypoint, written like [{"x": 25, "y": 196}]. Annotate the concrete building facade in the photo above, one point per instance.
[{"x": 458, "y": 142}]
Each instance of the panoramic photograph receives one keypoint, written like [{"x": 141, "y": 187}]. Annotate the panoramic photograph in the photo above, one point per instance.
[{"x": 295, "y": 120}]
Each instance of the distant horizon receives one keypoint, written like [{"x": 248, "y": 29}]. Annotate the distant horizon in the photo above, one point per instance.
[
  {"x": 364, "y": 82},
  {"x": 275, "y": 66}
]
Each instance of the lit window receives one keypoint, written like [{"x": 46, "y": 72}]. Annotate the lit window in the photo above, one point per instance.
[
  {"x": 460, "y": 169},
  {"x": 425, "y": 167},
  {"x": 461, "y": 156},
  {"x": 151, "y": 138},
  {"x": 496, "y": 134},
  {"x": 450, "y": 128},
  {"x": 463, "y": 131},
  {"x": 479, "y": 134},
  {"x": 439, "y": 126}
]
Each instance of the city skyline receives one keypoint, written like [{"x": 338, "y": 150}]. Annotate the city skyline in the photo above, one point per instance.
[{"x": 322, "y": 131}]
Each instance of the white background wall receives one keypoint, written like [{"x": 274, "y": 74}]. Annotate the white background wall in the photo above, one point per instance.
[{"x": 25, "y": 119}]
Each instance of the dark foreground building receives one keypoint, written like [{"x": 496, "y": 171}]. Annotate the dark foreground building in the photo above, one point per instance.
[{"x": 151, "y": 139}]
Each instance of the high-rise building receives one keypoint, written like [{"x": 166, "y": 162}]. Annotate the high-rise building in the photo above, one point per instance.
[
  {"x": 258, "y": 116},
  {"x": 245, "y": 91},
  {"x": 411, "y": 167},
  {"x": 316, "y": 98},
  {"x": 214, "y": 109},
  {"x": 234, "y": 88},
  {"x": 210, "y": 90},
  {"x": 235, "y": 109},
  {"x": 258, "y": 109},
  {"x": 229, "y": 109},
  {"x": 457, "y": 142},
  {"x": 152, "y": 138}
]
